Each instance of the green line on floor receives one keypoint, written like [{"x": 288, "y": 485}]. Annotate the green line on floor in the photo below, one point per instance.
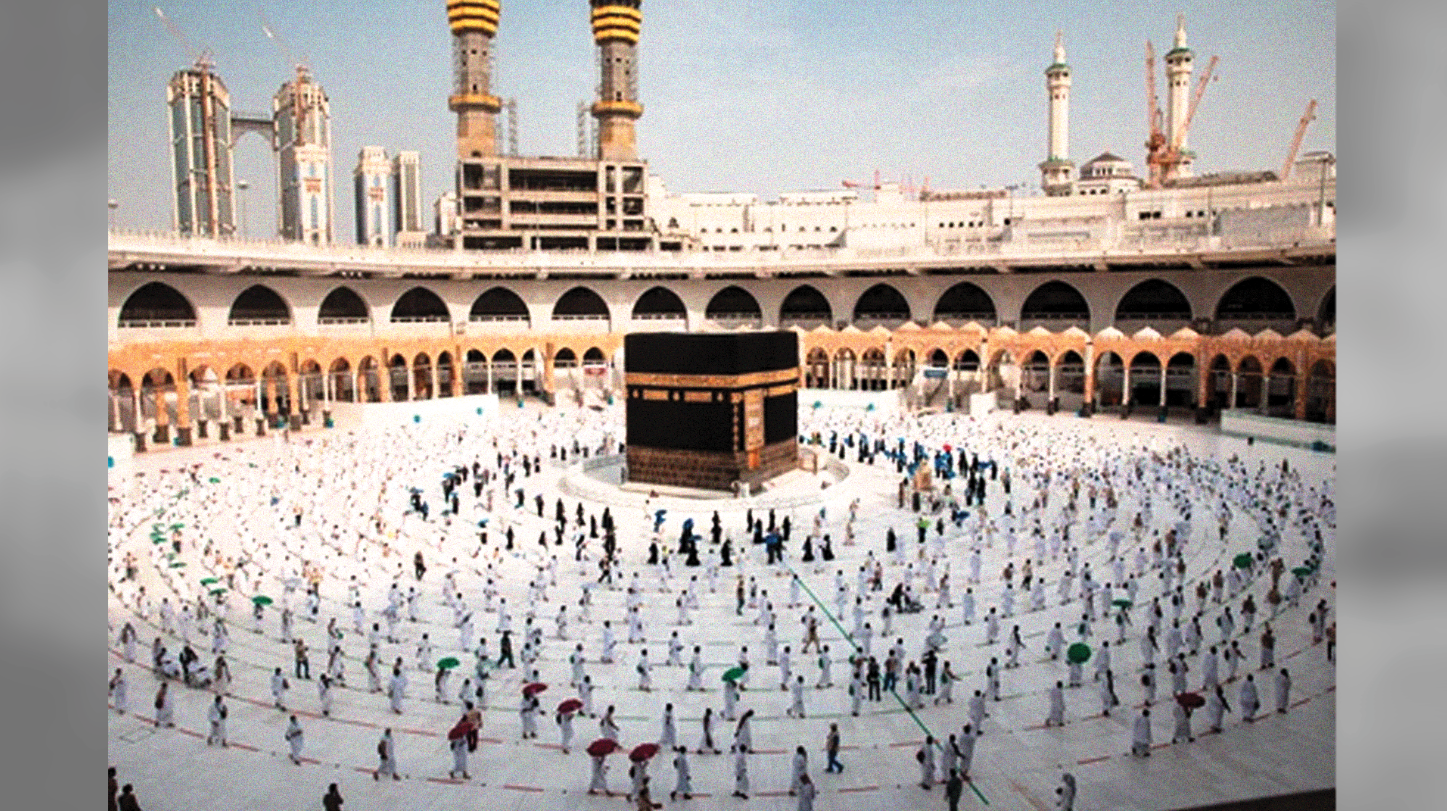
[{"x": 893, "y": 692}]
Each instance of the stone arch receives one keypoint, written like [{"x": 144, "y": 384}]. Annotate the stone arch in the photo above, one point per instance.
[
  {"x": 580, "y": 304},
  {"x": 805, "y": 307},
  {"x": 1145, "y": 379},
  {"x": 499, "y": 304},
  {"x": 659, "y": 304},
  {"x": 1181, "y": 380},
  {"x": 1153, "y": 301},
  {"x": 881, "y": 304},
  {"x": 344, "y": 388},
  {"x": 344, "y": 306},
  {"x": 1326, "y": 312},
  {"x": 565, "y": 358},
  {"x": 1070, "y": 379},
  {"x": 259, "y": 305},
  {"x": 157, "y": 305},
  {"x": 967, "y": 361},
  {"x": 446, "y": 374},
  {"x": 369, "y": 380},
  {"x": 505, "y": 371},
  {"x": 419, "y": 305},
  {"x": 873, "y": 369},
  {"x": 309, "y": 383},
  {"x": 422, "y": 377},
  {"x": 1109, "y": 379},
  {"x": 1250, "y": 380},
  {"x": 734, "y": 306},
  {"x": 398, "y": 375},
  {"x": 1256, "y": 300},
  {"x": 965, "y": 302},
  {"x": 816, "y": 369},
  {"x": 1320, "y": 392},
  {"x": 1280, "y": 388},
  {"x": 474, "y": 372},
  {"x": 1218, "y": 385},
  {"x": 1057, "y": 303},
  {"x": 902, "y": 371},
  {"x": 846, "y": 369},
  {"x": 122, "y": 416},
  {"x": 1035, "y": 375}
]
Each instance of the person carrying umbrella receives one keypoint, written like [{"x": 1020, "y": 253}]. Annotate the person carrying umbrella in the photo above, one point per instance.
[
  {"x": 597, "y": 750},
  {"x": 457, "y": 742},
  {"x": 564, "y": 718}
]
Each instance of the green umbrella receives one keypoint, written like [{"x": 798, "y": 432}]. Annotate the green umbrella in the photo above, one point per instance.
[
  {"x": 1121, "y": 602},
  {"x": 206, "y": 581},
  {"x": 1301, "y": 571},
  {"x": 215, "y": 480},
  {"x": 261, "y": 599},
  {"x": 448, "y": 662},
  {"x": 157, "y": 539},
  {"x": 733, "y": 674},
  {"x": 178, "y": 564},
  {"x": 1078, "y": 652},
  {"x": 175, "y": 527},
  {"x": 1242, "y": 561},
  {"x": 218, "y": 591}
]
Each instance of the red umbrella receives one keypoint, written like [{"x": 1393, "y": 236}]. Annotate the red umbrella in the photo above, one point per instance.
[
  {"x": 571, "y": 705},
  {"x": 534, "y": 688},
  {"x": 463, "y": 727},
  {"x": 1190, "y": 701},
  {"x": 642, "y": 752},
  {"x": 603, "y": 746}
]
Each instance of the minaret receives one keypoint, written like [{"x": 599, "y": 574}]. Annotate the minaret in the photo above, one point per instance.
[
  {"x": 1178, "y": 81},
  {"x": 473, "y": 24},
  {"x": 616, "y": 26},
  {"x": 1057, "y": 170}
]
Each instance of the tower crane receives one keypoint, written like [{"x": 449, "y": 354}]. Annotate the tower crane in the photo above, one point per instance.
[
  {"x": 854, "y": 184},
  {"x": 1164, "y": 158},
  {"x": 201, "y": 59},
  {"x": 1156, "y": 137},
  {"x": 1301, "y": 125}
]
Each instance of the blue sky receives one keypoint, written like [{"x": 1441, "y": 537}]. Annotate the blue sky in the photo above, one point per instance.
[{"x": 761, "y": 96}]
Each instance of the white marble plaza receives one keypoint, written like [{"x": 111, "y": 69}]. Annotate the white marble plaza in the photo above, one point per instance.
[{"x": 333, "y": 506}]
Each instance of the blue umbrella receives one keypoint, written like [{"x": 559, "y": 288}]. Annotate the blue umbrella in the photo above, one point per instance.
[{"x": 482, "y": 522}]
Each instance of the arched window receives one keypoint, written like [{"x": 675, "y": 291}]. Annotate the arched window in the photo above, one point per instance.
[
  {"x": 419, "y": 305},
  {"x": 157, "y": 305},
  {"x": 259, "y": 305}
]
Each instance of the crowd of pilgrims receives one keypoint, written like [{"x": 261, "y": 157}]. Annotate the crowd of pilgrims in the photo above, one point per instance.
[{"x": 386, "y": 552}]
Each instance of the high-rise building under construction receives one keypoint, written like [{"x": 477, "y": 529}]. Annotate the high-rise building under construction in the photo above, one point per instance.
[
  {"x": 549, "y": 203},
  {"x": 203, "y": 186}
]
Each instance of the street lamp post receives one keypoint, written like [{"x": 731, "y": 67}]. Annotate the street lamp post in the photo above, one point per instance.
[
  {"x": 242, "y": 186},
  {"x": 112, "y": 204}
]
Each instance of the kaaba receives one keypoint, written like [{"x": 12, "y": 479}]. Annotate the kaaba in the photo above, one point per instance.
[{"x": 707, "y": 410}]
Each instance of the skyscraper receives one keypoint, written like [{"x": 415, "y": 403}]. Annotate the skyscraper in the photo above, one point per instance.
[
  {"x": 406, "y": 183},
  {"x": 203, "y": 200},
  {"x": 372, "y": 189},
  {"x": 303, "y": 129}
]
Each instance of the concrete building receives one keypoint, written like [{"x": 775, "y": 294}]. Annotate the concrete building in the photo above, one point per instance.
[
  {"x": 406, "y": 186},
  {"x": 372, "y": 192},
  {"x": 303, "y": 127},
  {"x": 445, "y": 220},
  {"x": 550, "y": 203},
  {"x": 202, "y": 177}
]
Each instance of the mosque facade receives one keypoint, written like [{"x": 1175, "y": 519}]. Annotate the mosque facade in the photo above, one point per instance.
[{"x": 1109, "y": 292}]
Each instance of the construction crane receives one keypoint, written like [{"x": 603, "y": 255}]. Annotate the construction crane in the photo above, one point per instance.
[
  {"x": 1156, "y": 137},
  {"x": 1164, "y": 158},
  {"x": 854, "y": 184},
  {"x": 1306, "y": 119},
  {"x": 201, "y": 59}
]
